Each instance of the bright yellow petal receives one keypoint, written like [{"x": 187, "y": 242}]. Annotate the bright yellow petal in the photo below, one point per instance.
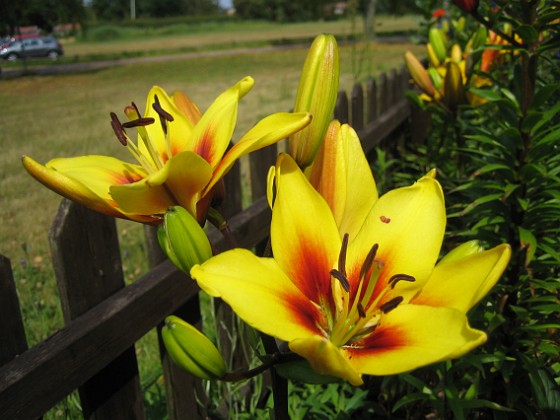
[
  {"x": 87, "y": 180},
  {"x": 188, "y": 175},
  {"x": 212, "y": 135},
  {"x": 412, "y": 336},
  {"x": 305, "y": 239},
  {"x": 460, "y": 284},
  {"x": 259, "y": 292},
  {"x": 343, "y": 177},
  {"x": 267, "y": 131},
  {"x": 143, "y": 197},
  {"x": 179, "y": 130},
  {"x": 325, "y": 358},
  {"x": 408, "y": 225}
]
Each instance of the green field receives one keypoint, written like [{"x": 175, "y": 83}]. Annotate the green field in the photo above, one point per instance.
[{"x": 68, "y": 115}]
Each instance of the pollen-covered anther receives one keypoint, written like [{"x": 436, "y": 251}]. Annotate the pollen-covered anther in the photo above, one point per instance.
[
  {"x": 140, "y": 122},
  {"x": 368, "y": 262},
  {"x": 400, "y": 277},
  {"x": 164, "y": 116},
  {"x": 341, "y": 278},
  {"x": 390, "y": 305},
  {"x": 118, "y": 129},
  {"x": 361, "y": 310}
]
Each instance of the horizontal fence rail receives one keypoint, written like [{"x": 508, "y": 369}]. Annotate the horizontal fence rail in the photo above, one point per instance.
[{"x": 94, "y": 351}]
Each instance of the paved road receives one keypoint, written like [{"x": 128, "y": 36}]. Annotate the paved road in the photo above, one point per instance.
[{"x": 10, "y": 73}]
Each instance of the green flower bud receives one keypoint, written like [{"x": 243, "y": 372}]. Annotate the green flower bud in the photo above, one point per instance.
[
  {"x": 419, "y": 74},
  {"x": 317, "y": 92},
  {"x": 438, "y": 40},
  {"x": 182, "y": 239},
  {"x": 192, "y": 350}
]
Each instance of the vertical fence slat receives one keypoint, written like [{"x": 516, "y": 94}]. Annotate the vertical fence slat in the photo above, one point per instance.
[
  {"x": 12, "y": 332},
  {"x": 357, "y": 110},
  {"x": 372, "y": 98},
  {"x": 179, "y": 385},
  {"x": 86, "y": 259},
  {"x": 384, "y": 93},
  {"x": 341, "y": 108}
]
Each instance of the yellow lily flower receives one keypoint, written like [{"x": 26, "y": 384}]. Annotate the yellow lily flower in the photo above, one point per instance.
[
  {"x": 356, "y": 305},
  {"x": 181, "y": 156}
]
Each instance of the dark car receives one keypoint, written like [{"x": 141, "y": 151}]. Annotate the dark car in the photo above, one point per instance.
[{"x": 37, "y": 46}]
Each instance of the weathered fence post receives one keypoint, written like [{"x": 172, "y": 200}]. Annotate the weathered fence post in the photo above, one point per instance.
[
  {"x": 357, "y": 111},
  {"x": 12, "y": 333},
  {"x": 87, "y": 263}
]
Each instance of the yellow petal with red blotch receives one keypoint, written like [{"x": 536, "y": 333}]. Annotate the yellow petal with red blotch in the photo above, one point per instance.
[
  {"x": 212, "y": 135},
  {"x": 325, "y": 358},
  {"x": 408, "y": 225},
  {"x": 178, "y": 182},
  {"x": 87, "y": 180},
  {"x": 179, "y": 130},
  {"x": 343, "y": 177},
  {"x": 305, "y": 239},
  {"x": 259, "y": 292},
  {"x": 189, "y": 109},
  {"x": 460, "y": 284},
  {"x": 266, "y": 132},
  {"x": 412, "y": 336}
]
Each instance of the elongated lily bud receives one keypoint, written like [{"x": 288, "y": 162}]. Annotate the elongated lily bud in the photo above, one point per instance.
[
  {"x": 453, "y": 85},
  {"x": 432, "y": 57},
  {"x": 317, "y": 92},
  {"x": 438, "y": 40},
  {"x": 183, "y": 240},
  {"x": 192, "y": 350},
  {"x": 419, "y": 74},
  {"x": 456, "y": 53},
  {"x": 467, "y": 5}
]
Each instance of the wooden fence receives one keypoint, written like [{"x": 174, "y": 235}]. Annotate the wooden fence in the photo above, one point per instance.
[{"x": 94, "y": 351}]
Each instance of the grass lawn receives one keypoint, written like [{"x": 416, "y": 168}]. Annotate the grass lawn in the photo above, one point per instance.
[{"x": 68, "y": 115}]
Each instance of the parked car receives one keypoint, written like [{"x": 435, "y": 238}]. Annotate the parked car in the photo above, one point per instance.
[{"x": 36, "y": 46}]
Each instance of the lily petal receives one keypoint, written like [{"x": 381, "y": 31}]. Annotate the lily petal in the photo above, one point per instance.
[
  {"x": 408, "y": 225},
  {"x": 460, "y": 284},
  {"x": 343, "y": 177},
  {"x": 189, "y": 109},
  {"x": 87, "y": 180},
  {"x": 411, "y": 336},
  {"x": 304, "y": 235},
  {"x": 259, "y": 292},
  {"x": 178, "y": 182},
  {"x": 325, "y": 358},
  {"x": 266, "y": 132},
  {"x": 211, "y": 136}
]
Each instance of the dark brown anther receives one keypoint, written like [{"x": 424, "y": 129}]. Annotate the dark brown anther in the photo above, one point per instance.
[
  {"x": 361, "y": 310},
  {"x": 140, "y": 122},
  {"x": 342, "y": 255},
  {"x": 400, "y": 277},
  {"x": 392, "y": 304},
  {"x": 118, "y": 129},
  {"x": 368, "y": 262},
  {"x": 342, "y": 279},
  {"x": 164, "y": 116}
]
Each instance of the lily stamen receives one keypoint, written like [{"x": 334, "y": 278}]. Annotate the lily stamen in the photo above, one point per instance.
[
  {"x": 164, "y": 118},
  {"x": 342, "y": 279},
  {"x": 123, "y": 138},
  {"x": 400, "y": 277},
  {"x": 390, "y": 305},
  {"x": 139, "y": 123}
]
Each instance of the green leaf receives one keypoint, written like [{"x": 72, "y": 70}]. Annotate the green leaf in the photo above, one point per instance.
[
  {"x": 528, "y": 243},
  {"x": 492, "y": 167},
  {"x": 527, "y": 33}
]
